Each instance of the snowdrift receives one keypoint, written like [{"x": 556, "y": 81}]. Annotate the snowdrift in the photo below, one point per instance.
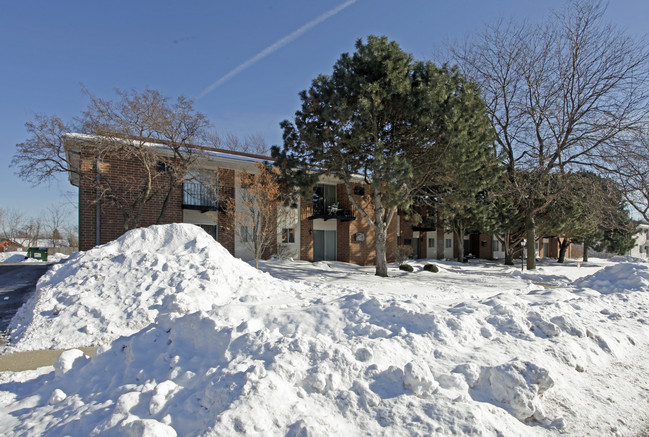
[
  {"x": 120, "y": 287},
  {"x": 222, "y": 349},
  {"x": 618, "y": 278}
]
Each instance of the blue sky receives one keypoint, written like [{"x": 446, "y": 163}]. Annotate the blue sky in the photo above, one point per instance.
[{"x": 47, "y": 49}]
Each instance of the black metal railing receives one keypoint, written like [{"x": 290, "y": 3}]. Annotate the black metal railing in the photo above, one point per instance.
[
  {"x": 426, "y": 224},
  {"x": 200, "y": 196},
  {"x": 330, "y": 210}
]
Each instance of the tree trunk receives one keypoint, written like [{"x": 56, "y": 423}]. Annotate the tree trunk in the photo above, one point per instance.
[
  {"x": 563, "y": 248},
  {"x": 530, "y": 230},
  {"x": 459, "y": 234},
  {"x": 165, "y": 202},
  {"x": 380, "y": 241},
  {"x": 509, "y": 250},
  {"x": 585, "y": 259},
  {"x": 380, "y": 224}
]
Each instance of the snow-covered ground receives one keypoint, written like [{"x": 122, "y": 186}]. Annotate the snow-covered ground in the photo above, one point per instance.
[
  {"x": 196, "y": 342},
  {"x": 21, "y": 257}
]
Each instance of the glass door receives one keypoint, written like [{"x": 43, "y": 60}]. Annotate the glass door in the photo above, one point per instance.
[{"x": 324, "y": 245}]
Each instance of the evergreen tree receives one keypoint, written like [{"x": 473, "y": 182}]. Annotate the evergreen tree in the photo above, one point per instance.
[
  {"x": 591, "y": 210},
  {"x": 384, "y": 117},
  {"x": 462, "y": 198}
]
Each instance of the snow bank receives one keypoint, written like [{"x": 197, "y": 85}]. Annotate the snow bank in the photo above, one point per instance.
[
  {"x": 223, "y": 349},
  {"x": 13, "y": 257},
  {"x": 119, "y": 288},
  {"x": 618, "y": 278}
]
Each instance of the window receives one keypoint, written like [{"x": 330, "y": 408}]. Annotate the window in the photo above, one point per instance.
[
  {"x": 324, "y": 197},
  {"x": 407, "y": 241},
  {"x": 164, "y": 167},
  {"x": 200, "y": 189},
  {"x": 449, "y": 243},
  {"x": 495, "y": 246},
  {"x": 246, "y": 235},
  {"x": 210, "y": 229},
  {"x": 431, "y": 242},
  {"x": 288, "y": 235}
]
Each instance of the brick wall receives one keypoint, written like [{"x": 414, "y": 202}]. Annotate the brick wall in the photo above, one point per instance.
[
  {"x": 363, "y": 252},
  {"x": 441, "y": 243},
  {"x": 225, "y": 220},
  {"x": 125, "y": 178},
  {"x": 306, "y": 231},
  {"x": 486, "y": 251},
  {"x": 344, "y": 234}
]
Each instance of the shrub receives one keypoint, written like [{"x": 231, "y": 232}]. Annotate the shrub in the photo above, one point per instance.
[
  {"x": 403, "y": 253},
  {"x": 406, "y": 267},
  {"x": 431, "y": 268}
]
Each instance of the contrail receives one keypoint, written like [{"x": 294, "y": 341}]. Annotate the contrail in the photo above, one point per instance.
[{"x": 275, "y": 46}]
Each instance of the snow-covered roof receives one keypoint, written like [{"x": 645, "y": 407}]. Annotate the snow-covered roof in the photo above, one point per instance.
[{"x": 206, "y": 154}]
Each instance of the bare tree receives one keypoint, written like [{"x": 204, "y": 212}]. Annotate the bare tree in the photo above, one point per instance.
[
  {"x": 13, "y": 222},
  {"x": 254, "y": 144},
  {"x": 557, "y": 95},
  {"x": 628, "y": 165},
  {"x": 257, "y": 211},
  {"x": 42, "y": 156},
  {"x": 71, "y": 234},
  {"x": 31, "y": 232},
  {"x": 144, "y": 128},
  {"x": 54, "y": 223}
]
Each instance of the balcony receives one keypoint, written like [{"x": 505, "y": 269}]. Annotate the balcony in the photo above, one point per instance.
[
  {"x": 427, "y": 224},
  {"x": 325, "y": 211},
  {"x": 200, "y": 197}
]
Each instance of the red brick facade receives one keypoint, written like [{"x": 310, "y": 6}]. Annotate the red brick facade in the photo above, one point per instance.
[
  {"x": 121, "y": 175},
  {"x": 355, "y": 239},
  {"x": 226, "y": 226}
]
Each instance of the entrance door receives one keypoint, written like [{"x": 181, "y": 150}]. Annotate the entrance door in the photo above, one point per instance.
[
  {"x": 324, "y": 246},
  {"x": 415, "y": 248}
]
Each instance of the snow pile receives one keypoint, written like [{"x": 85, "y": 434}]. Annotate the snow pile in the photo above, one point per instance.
[
  {"x": 517, "y": 385},
  {"x": 345, "y": 367},
  {"x": 13, "y": 257},
  {"x": 119, "y": 288},
  {"x": 618, "y": 278},
  {"x": 453, "y": 353}
]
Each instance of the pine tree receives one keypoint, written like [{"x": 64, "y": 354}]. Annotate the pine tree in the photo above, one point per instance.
[{"x": 387, "y": 118}]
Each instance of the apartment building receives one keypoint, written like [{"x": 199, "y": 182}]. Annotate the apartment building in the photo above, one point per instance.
[{"x": 326, "y": 227}]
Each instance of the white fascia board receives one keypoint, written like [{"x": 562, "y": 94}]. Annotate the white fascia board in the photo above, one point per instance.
[{"x": 164, "y": 150}]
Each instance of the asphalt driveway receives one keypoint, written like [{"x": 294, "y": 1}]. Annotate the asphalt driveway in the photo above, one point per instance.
[{"x": 17, "y": 284}]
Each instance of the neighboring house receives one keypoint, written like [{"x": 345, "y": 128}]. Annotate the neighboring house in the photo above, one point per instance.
[
  {"x": 5, "y": 244},
  {"x": 641, "y": 248},
  {"x": 327, "y": 227}
]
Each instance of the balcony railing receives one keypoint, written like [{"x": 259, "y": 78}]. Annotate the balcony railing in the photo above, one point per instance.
[
  {"x": 330, "y": 210},
  {"x": 200, "y": 196},
  {"x": 426, "y": 224}
]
